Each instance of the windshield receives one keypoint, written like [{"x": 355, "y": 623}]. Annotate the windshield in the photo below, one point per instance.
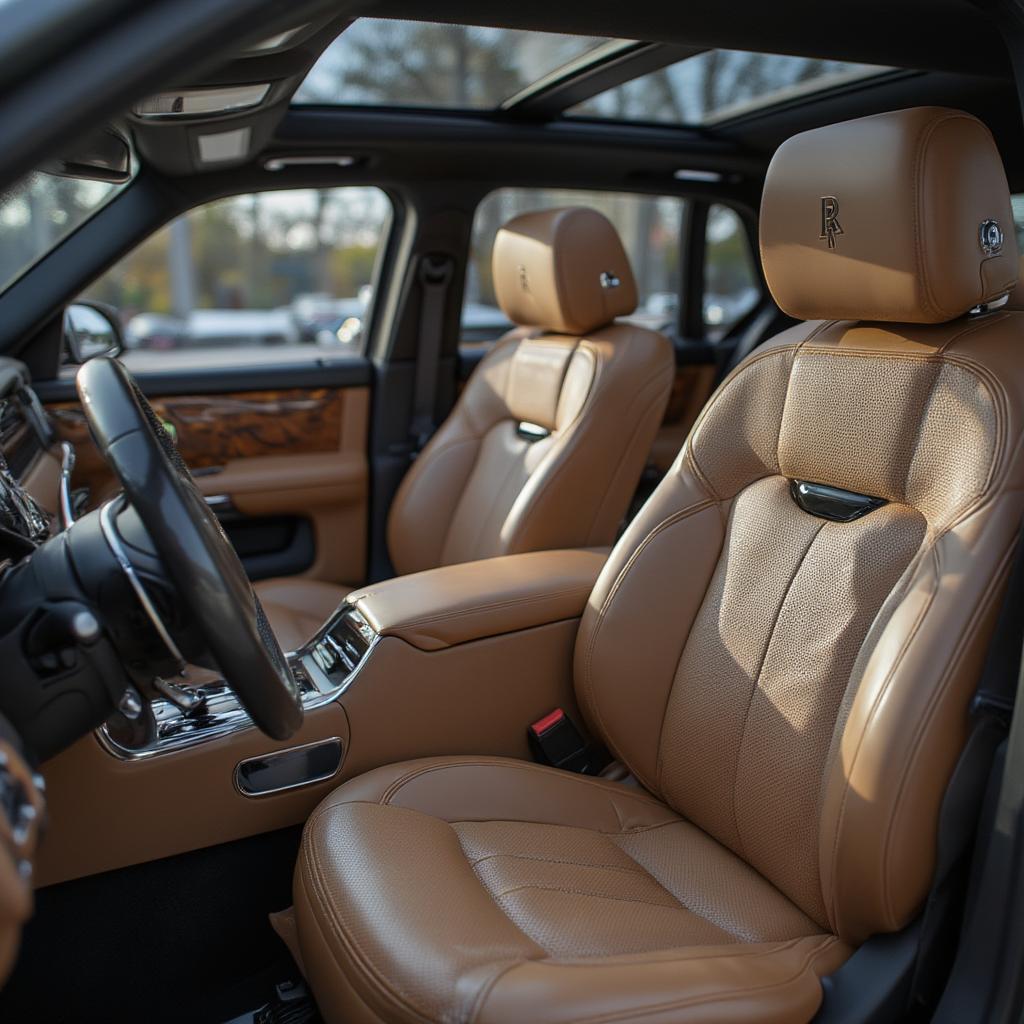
[{"x": 39, "y": 212}]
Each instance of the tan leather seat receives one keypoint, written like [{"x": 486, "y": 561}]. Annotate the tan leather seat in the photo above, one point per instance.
[
  {"x": 790, "y": 691},
  {"x": 591, "y": 392}
]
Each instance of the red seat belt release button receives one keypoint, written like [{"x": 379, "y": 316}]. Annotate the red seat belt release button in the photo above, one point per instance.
[{"x": 554, "y": 740}]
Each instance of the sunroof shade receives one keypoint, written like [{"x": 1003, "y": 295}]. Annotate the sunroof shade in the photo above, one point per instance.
[
  {"x": 377, "y": 61},
  {"x": 718, "y": 84}
]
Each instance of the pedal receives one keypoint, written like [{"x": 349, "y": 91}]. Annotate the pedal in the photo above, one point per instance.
[{"x": 292, "y": 1004}]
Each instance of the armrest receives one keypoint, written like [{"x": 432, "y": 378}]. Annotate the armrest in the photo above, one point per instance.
[{"x": 454, "y": 604}]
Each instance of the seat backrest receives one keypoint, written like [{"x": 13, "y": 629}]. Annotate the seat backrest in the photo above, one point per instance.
[
  {"x": 790, "y": 667},
  {"x": 548, "y": 439}
]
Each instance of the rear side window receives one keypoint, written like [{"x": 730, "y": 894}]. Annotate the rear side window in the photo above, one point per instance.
[
  {"x": 732, "y": 286},
  {"x": 650, "y": 228},
  {"x": 1017, "y": 203},
  {"x": 254, "y": 279}
]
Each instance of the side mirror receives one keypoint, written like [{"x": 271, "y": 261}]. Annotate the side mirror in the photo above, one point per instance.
[{"x": 92, "y": 329}]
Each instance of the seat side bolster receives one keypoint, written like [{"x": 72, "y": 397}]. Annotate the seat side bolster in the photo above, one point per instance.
[
  {"x": 772, "y": 983},
  {"x": 906, "y": 726},
  {"x": 365, "y": 916},
  {"x": 495, "y": 788},
  {"x": 613, "y": 401},
  {"x": 430, "y": 492}
]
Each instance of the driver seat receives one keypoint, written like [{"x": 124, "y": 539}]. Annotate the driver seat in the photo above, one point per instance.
[{"x": 782, "y": 649}]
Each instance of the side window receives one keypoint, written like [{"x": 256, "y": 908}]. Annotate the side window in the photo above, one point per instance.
[
  {"x": 731, "y": 283},
  {"x": 1017, "y": 203},
  {"x": 650, "y": 228},
  {"x": 268, "y": 277}
]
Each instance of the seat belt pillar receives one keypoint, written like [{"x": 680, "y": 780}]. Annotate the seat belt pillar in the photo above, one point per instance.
[{"x": 434, "y": 273}]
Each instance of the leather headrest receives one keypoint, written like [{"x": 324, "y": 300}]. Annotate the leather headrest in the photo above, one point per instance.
[
  {"x": 900, "y": 217},
  {"x": 563, "y": 271}
]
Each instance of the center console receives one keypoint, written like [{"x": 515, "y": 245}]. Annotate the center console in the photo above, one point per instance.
[
  {"x": 456, "y": 660},
  {"x": 324, "y": 668}
]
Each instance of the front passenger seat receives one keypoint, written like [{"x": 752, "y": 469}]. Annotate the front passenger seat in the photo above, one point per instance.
[
  {"x": 546, "y": 444},
  {"x": 782, "y": 649}
]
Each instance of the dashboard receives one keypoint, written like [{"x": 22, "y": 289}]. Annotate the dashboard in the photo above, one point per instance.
[
  {"x": 30, "y": 480},
  {"x": 29, "y": 472}
]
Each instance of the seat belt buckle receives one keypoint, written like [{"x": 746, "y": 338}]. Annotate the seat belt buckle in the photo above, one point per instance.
[
  {"x": 556, "y": 741},
  {"x": 997, "y": 707}
]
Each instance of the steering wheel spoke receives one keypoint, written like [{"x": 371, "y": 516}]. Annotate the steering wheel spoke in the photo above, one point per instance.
[{"x": 190, "y": 545}]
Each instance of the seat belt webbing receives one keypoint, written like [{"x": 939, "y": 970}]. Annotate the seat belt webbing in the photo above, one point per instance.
[{"x": 435, "y": 275}]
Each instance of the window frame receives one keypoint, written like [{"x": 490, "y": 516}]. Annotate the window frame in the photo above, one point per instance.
[{"x": 383, "y": 259}]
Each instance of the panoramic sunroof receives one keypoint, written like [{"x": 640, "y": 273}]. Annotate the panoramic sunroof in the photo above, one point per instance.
[
  {"x": 379, "y": 62},
  {"x": 716, "y": 85}
]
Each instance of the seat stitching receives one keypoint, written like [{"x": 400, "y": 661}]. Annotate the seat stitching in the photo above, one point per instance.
[
  {"x": 693, "y": 910},
  {"x": 461, "y": 613},
  {"x": 486, "y": 989},
  {"x": 757, "y": 683},
  {"x": 585, "y": 685},
  {"x": 658, "y": 386},
  {"x": 498, "y": 492},
  {"x": 981, "y": 608},
  {"x": 392, "y": 790},
  {"x": 726, "y": 996},
  {"x": 564, "y": 436},
  {"x": 722, "y": 951},
  {"x": 338, "y": 962},
  {"x": 879, "y": 698},
  {"x": 316, "y": 875},
  {"x": 639, "y": 830},
  {"x": 638, "y": 870},
  {"x": 675, "y": 905}
]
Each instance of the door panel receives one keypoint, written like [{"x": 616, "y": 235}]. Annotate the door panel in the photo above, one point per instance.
[
  {"x": 288, "y": 468},
  {"x": 691, "y": 389}
]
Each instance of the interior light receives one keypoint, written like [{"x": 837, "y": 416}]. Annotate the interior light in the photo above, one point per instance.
[
  {"x": 202, "y": 102},
  {"x": 275, "y": 42},
  {"x": 279, "y": 163},
  {"x": 687, "y": 174},
  {"x": 220, "y": 146}
]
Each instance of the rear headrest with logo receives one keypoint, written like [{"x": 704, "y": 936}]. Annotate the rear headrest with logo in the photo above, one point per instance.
[
  {"x": 564, "y": 271},
  {"x": 901, "y": 217}
]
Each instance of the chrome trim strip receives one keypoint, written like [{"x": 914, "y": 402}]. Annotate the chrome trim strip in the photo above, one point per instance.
[
  {"x": 270, "y": 755},
  {"x": 67, "y": 465},
  {"x": 223, "y": 715},
  {"x": 109, "y": 531}
]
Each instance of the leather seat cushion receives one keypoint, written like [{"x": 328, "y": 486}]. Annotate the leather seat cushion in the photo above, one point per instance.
[
  {"x": 515, "y": 892},
  {"x": 297, "y": 608}
]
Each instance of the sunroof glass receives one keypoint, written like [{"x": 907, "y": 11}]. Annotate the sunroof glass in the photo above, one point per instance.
[
  {"x": 377, "y": 61},
  {"x": 718, "y": 84}
]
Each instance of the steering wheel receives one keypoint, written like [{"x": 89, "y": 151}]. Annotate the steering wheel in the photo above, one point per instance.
[{"x": 194, "y": 550}]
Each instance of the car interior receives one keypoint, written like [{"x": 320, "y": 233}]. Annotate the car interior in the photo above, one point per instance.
[{"x": 511, "y": 513}]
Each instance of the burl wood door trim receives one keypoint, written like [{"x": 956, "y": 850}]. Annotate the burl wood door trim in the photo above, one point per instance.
[
  {"x": 299, "y": 451},
  {"x": 214, "y": 429}
]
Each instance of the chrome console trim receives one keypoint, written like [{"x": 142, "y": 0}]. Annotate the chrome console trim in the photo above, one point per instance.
[
  {"x": 67, "y": 465},
  {"x": 331, "y": 745},
  {"x": 109, "y": 531},
  {"x": 221, "y": 714}
]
